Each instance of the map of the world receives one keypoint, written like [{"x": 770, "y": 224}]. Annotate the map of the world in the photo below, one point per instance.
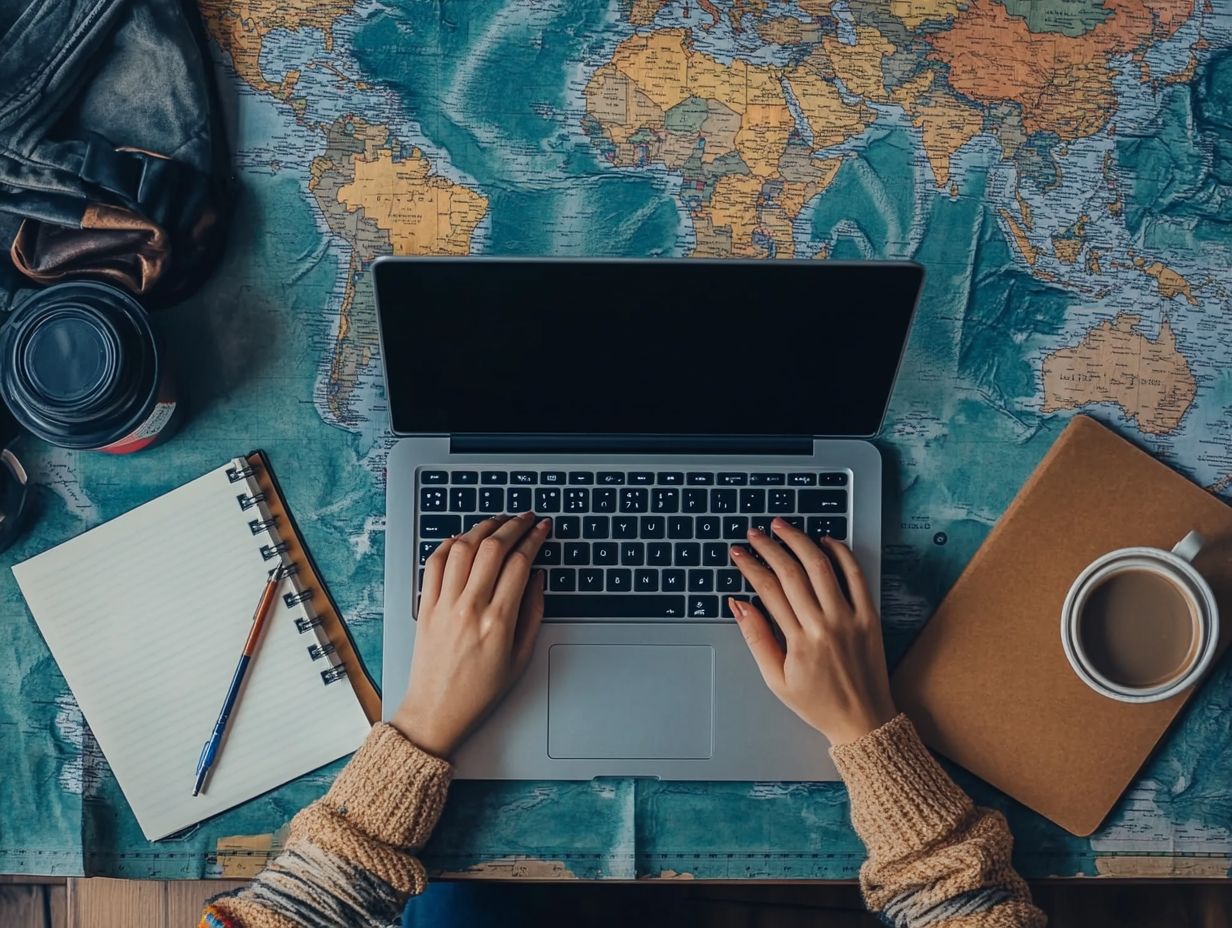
[{"x": 1062, "y": 169}]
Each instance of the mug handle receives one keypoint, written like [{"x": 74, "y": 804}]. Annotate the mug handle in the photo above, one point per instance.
[{"x": 1189, "y": 546}]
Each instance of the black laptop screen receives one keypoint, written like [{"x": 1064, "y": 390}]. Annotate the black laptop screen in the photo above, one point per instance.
[{"x": 647, "y": 347}]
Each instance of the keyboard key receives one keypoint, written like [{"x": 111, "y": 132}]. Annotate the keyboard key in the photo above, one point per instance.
[
  {"x": 462, "y": 499},
  {"x": 659, "y": 554},
  {"x": 614, "y": 607},
  {"x": 652, "y": 527},
  {"x": 632, "y": 554},
  {"x": 646, "y": 581},
  {"x": 464, "y": 476},
  {"x": 671, "y": 478},
  {"x": 562, "y": 580},
  {"x": 519, "y": 499},
  {"x": 634, "y": 500},
  {"x": 432, "y": 499},
  {"x": 581, "y": 476},
  {"x": 641, "y": 478},
  {"x": 491, "y": 499},
  {"x": 603, "y": 552},
  {"x": 726, "y": 608},
  {"x": 781, "y": 501},
  {"x": 469, "y": 522},
  {"x": 688, "y": 554},
  {"x": 554, "y": 477},
  {"x": 835, "y": 527},
  {"x": 494, "y": 477},
  {"x": 767, "y": 480},
  {"x": 794, "y": 521},
  {"x": 802, "y": 480},
  {"x": 714, "y": 554},
  {"x": 822, "y": 501},
  {"x": 680, "y": 527},
  {"x": 761, "y": 523},
  {"x": 624, "y": 526},
  {"x": 723, "y": 500},
  {"x": 524, "y": 477},
  {"x": 707, "y": 526},
  {"x": 611, "y": 478},
  {"x": 664, "y": 499},
  {"x": 695, "y": 500},
  {"x": 590, "y": 580},
  {"x": 728, "y": 581},
  {"x": 619, "y": 580},
  {"x": 737, "y": 527},
  {"x": 703, "y": 607},
  {"x": 832, "y": 480},
  {"x": 672, "y": 581},
  {"x": 425, "y": 550},
  {"x": 698, "y": 479},
  {"x": 433, "y": 476},
  {"x": 752, "y": 500},
  {"x": 439, "y": 526},
  {"x": 577, "y": 500},
  {"x": 547, "y": 499},
  {"x": 701, "y": 581},
  {"x": 733, "y": 480},
  {"x": 567, "y": 527},
  {"x": 577, "y": 553},
  {"x": 549, "y": 554},
  {"x": 596, "y": 527},
  {"x": 603, "y": 500}
]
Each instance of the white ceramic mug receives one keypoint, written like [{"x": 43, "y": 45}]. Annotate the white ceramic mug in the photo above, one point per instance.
[{"x": 1177, "y": 567}]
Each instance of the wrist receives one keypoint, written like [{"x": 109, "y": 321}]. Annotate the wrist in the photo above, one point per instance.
[{"x": 418, "y": 729}]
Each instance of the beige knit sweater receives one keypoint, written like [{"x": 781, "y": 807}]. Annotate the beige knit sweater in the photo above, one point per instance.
[{"x": 934, "y": 859}]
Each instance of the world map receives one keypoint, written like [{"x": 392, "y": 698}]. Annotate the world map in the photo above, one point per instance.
[{"x": 1062, "y": 169}]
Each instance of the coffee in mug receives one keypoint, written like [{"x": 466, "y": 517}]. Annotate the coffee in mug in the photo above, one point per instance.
[{"x": 1141, "y": 624}]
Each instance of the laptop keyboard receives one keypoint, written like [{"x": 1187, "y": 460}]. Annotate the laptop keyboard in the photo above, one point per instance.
[{"x": 634, "y": 544}]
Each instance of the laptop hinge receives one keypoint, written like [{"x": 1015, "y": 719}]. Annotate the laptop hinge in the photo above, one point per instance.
[{"x": 629, "y": 444}]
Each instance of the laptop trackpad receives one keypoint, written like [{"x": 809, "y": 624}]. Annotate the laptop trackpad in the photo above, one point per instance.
[{"x": 635, "y": 702}]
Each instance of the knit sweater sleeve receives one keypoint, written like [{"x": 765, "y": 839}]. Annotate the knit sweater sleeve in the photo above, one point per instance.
[
  {"x": 934, "y": 859},
  {"x": 349, "y": 857}
]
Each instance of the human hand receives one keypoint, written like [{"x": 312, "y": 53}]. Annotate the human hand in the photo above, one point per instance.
[
  {"x": 479, "y": 612},
  {"x": 833, "y": 671}
]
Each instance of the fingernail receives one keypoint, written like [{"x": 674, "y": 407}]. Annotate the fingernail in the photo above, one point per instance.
[
  {"x": 527, "y": 514},
  {"x": 736, "y": 552},
  {"x": 755, "y": 532},
  {"x": 543, "y": 524},
  {"x": 736, "y": 607}
]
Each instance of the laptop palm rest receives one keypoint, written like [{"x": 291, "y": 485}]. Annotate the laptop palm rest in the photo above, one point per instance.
[{"x": 634, "y": 702}]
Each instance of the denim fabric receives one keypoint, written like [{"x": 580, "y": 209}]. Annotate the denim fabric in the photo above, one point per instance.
[{"x": 81, "y": 80}]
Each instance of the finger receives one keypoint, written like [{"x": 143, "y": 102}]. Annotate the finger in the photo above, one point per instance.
[
  {"x": 791, "y": 578},
  {"x": 434, "y": 570},
  {"x": 816, "y": 564},
  {"x": 530, "y": 617},
  {"x": 490, "y": 557},
  {"x": 768, "y": 588},
  {"x": 516, "y": 571},
  {"x": 857, "y": 586},
  {"x": 765, "y": 648},
  {"x": 462, "y": 556}
]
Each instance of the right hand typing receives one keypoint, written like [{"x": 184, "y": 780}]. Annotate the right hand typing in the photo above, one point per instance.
[{"x": 833, "y": 671}]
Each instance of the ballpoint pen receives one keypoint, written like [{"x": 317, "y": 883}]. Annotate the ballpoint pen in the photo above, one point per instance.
[{"x": 210, "y": 752}]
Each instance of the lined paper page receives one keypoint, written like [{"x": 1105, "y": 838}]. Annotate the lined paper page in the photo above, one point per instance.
[{"x": 147, "y": 616}]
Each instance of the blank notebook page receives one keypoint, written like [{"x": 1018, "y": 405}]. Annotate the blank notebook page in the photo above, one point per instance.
[{"x": 147, "y": 616}]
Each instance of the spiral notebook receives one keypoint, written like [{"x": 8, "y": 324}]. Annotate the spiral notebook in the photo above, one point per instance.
[{"x": 147, "y": 615}]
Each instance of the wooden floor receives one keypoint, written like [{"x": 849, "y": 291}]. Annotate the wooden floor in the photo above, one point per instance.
[{"x": 99, "y": 903}]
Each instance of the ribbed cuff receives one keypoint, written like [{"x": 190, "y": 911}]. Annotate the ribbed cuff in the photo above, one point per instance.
[
  {"x": 901, "y": 799},
  {"x": 391, "y": 790}
]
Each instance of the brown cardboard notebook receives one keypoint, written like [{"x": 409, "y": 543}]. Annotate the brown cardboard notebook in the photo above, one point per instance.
[{"x": 987, "y": 683}]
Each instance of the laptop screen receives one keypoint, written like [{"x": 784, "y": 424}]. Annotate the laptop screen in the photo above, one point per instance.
[{"x": 670, "y": 347}]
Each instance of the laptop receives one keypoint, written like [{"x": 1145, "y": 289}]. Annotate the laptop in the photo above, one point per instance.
[{"x": 654, "y": 409}]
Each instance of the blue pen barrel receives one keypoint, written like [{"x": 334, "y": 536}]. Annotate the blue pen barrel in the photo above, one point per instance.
[{"x": 210, "y": 750}]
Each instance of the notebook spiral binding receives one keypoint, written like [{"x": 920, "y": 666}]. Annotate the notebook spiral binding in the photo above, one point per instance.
[
  {"x": 333, "y": 674},
  {"x": 275, "y": 549}
]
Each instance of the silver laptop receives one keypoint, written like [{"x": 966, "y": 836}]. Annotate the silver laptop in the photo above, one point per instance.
[{"x": 655, "y": 410}]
